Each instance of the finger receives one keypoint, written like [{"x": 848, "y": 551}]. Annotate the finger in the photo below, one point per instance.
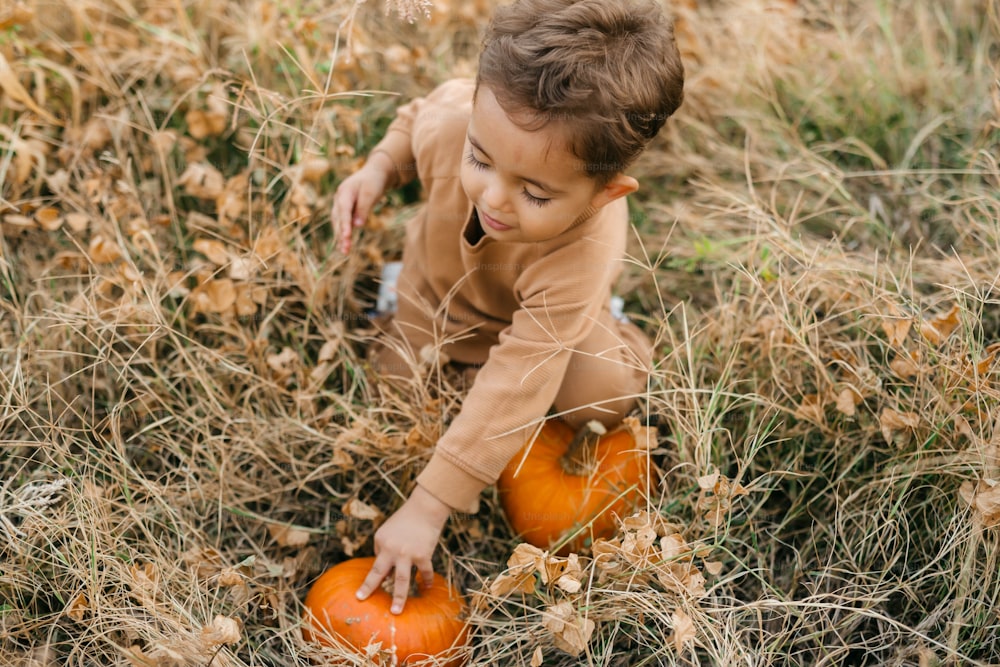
[
  {"x": 345, "y": 232},
  {"x": 426, "y": 570},
  {"x": 343, "y": 204},
  {"x": 345, "y": 242},
  {"x": 361, "y": 211},
  {"x": 363, "y": 206},
  {"x": 400, "y": 587},
  {"x": 380, "y": 568},
  {"x": 336, "y": 219}
]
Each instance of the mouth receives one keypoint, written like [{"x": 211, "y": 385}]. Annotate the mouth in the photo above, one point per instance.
[{"x": 492, "y": 223}]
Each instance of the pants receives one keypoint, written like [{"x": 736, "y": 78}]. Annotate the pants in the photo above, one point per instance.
[{"x": 605, "y": 374}]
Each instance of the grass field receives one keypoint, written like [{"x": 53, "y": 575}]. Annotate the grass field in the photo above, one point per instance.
[{"x": 188, "y": 436}]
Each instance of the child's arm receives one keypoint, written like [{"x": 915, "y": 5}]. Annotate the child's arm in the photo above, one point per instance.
[
  {"x": 392, "y": 163},
  {"x": 358, "y": 193},
  {"x": 407, "y": 539},
  {"x": 389, "y": 165}
]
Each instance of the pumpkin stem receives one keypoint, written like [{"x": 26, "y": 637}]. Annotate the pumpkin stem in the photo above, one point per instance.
[{"x": 579, "y": 457}]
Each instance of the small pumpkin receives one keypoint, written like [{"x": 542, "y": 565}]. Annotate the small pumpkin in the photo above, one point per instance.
[
  {"x": 431, "y": 624},
  {"x": 564, "y": 484}
]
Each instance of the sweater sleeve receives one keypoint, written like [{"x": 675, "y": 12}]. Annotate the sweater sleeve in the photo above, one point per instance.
[
  {"x": 398, "y": 142},
  {"x": 518, "y": 383}
]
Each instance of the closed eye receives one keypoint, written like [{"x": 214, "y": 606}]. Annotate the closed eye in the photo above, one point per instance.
[
  {"x": 482, "y": 166},
  {"x": 533, "y": 200},
  {"x": 471, "y": 159}
]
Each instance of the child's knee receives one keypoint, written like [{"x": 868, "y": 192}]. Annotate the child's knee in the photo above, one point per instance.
[
  {"x": 601, "y": 389},
  {"x": 606, "y": 376}
]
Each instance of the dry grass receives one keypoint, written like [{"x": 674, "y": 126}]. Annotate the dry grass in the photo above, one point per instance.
[{"x": 189, "y": 436}]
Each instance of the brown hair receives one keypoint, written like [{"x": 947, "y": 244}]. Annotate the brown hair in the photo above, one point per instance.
[{"x": 608, "y": 70}]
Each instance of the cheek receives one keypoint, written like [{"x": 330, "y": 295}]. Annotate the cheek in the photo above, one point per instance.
[{"x": 470, "y": 181}]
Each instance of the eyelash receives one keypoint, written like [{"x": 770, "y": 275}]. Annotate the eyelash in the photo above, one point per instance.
[{"x": 482, "y": 166}]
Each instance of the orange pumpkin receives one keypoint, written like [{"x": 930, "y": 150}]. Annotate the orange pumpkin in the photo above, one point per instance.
[
  {"x": 432, "y": 622},
  {"x": 547, "y": 497}
]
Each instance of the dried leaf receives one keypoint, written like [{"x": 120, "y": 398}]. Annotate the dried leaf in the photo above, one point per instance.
[
  {"x": 569, "y": 584},
  {"x": 673, "y": 547},
  {"x": 906, "y": 366},
  {"x": 707, "y": 482},
  {"x": 232, "y": 203},
  {"x": 70, "y": 260},
  {"x": 713, "y": 567},
  {"x": 222, "y": 630},
  {"x": 77, "y": 609},
  {"x": 527, "y": 557},
  {"x": 202, "y": 180},
  {"x": 268, "y": 245},
  {"x": 246, "y": 304},
  {"x": 644, "y": 436},
  {"x": 163, "y": 141},
  {"x": 144, "y": 577},
  {"x": 202, "y": 124},
  {"x": 984, "y": 498},
  {"x": 727, "y": 489},
  {"x": 605, "y": 554},
  {"x": 230, "y": 577},
  {"x": 896, "y": 329},
  {"x": 11, "y": 85},
  {"x": 202, "y": 561},
  {"x": 358, "y": 509},
  {"x": 505, "y": 584},
  {"x": 983, "y": 366},
  {"x": 288, "y": 536},
  {"x": 214, "y": 296},
  {"x": 18, "y": 15},
  {"x": 242, "y": 268},
  {"x": 103, "y": 251},
  {"x": 687, "y": 579},
  {"x": 215, "y": 251},
  {"x": 848, "y": 400},
  {"x": 283, "y": 363},
  {"x": 962, "y": 427},
  {"x": 536, "y": 657},
  {"x": 329, "y": 350},
  {"x": 892, "y": 421},
  {"x": 49, "y": 218},
  {"x": 936, "y": 330},
  {"x": 554, "y": 567},
  {"x": 312, "y": 169},
  {"x": 522, "y": 565},
  {"x": 642, "y": 518},
  {"x": 78, "y": 222},
  {"x": 637, "y": 544},
  {"x": 684, "y": 631},
  {"x": 570, "y": 631},
  {"x": 95, "y": 134},
  {"x": 18, "y": 220}
]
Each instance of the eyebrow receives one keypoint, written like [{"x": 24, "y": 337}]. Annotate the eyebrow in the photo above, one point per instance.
[{"x": 538, "y": 184}]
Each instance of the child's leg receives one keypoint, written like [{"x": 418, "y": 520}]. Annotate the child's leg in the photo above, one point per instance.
[{"x": 606, "y": 374}]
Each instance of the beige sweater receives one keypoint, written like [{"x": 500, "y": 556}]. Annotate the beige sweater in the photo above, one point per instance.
[{"x": 526, "y": 305}]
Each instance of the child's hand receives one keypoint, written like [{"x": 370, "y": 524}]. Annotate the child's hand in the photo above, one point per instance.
[
  {"x": 408, "y": 538},
  {"x": 356, "y": 196}
]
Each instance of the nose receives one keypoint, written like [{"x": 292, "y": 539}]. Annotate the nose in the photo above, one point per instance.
[{"x": 495, "y": 195}]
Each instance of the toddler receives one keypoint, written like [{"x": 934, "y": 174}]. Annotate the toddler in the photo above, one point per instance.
[{"x": 508, "y": 266}]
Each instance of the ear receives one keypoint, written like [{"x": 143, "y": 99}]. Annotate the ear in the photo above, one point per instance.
[{"x": 616, "y": 188}]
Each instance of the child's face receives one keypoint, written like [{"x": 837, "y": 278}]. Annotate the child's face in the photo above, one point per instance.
[{"x": 526, "y": 186}]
